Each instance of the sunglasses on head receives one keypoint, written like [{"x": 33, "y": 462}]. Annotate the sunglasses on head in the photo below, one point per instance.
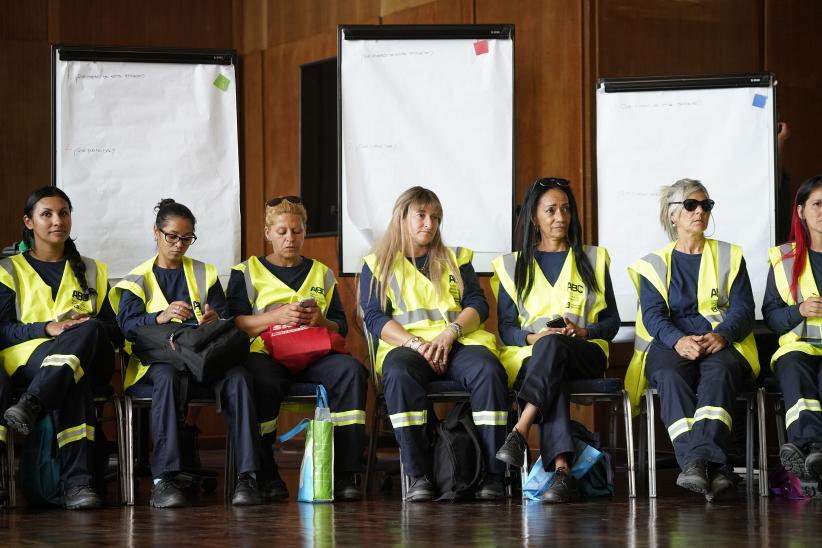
[
  {"x": 690, "y": 204},
  {"x": 291, "y": 199},
  {"x": 548, "y": 182}
]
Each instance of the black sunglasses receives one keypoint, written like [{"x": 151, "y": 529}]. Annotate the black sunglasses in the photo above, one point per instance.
[
  {"x": 690, "y": 204},
  {"x": 548, "y": 182},
  {"x": 291, "y": 199}
]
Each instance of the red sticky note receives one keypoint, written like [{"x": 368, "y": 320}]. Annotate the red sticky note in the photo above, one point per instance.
[{"x": 481, "y": 47}]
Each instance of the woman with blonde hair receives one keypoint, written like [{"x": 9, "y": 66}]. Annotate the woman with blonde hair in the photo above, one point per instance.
[
  {"x": 694, "y": 339},
  {"x": 424, "y": 304},
  {"x": 285, "y": 288}
]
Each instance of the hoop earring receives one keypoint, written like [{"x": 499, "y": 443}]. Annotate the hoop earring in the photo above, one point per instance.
[{"x": 713, "y": 222}]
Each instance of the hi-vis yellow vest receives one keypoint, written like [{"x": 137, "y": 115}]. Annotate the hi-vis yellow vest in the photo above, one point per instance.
[
  {"x": 416, "y": 307},
  {"x": 806, "y": 336},
  {"x": 34, "y": 304},
  {"x": 717, "y": 271},
  {"x": 266, "y": 291},
  {"x": 568, "y": 297},
  {"x": 144, "y": 285}
]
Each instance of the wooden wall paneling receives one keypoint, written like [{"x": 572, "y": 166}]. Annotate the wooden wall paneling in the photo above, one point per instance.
[
  {"x": 792, "y": 53},
  {"x": 253, "y": 150},
  {"x": 253, "y": 24},
  {"x": 150, "y": 23},
  {"x": 648, "y": 37},
  {"x": 290, "y": 21},
  {"x": 24, "y": 21},
  {"x": 440, "y": 12},
  {"x": 548, "y": 61},
  {"x": 25, "y": 145},
  {"x": 388, "y": 7}
]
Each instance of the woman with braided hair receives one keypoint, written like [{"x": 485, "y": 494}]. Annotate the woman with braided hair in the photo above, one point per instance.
[{"x": 57, "y": 334}]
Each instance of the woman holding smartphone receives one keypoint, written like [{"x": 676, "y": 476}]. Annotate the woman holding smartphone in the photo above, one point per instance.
[
  {"x": 556, "y": 312},
  {"x": 285, "y": 288}
]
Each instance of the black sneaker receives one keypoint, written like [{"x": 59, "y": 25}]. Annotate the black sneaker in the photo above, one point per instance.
[
  {"x": 166, "y": 494},
  {"x": 345, "y": 487},
  {"x": 82, "y": 497},
  {"x": 813, "y": 462},
  {"x": 274, "y": 489},
  {"x": 564, "y": 488},
  {"x": 513, "y": 450},
  {"x": 246, "y": 492},
  {"x": 694, "y": 477},
  {"x": 22, "y": 415},
  {"x": 723, "y": 485},
  {"x": 793, "y": 460},
  {"x": 420, "y": 489},
  {"x": 491, "y": 488}
]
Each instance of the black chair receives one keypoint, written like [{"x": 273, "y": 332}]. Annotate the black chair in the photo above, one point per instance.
[{"x": 102, "y": 396}]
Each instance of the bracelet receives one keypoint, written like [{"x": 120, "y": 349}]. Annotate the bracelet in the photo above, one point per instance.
[{"x": 457, "y": 328}]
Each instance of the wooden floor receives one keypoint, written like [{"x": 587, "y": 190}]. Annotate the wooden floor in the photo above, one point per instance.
[{"x": 674, "y": 518}]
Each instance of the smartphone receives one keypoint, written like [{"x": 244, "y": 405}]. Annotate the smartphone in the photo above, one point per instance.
[
  {"x": 556, "y": 323},
  {"x": 311, "y": 302}
]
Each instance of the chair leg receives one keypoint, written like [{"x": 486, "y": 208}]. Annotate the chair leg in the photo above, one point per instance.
[
  {"x": 128, "y": 468},
  {"x": 649, "y": 408},
  {"x": 118, "y": 417},
  {"x": 230, "y": 470},
  {"x": 642, "y": 451},
  {"x": 779, "y": 413},
  {"x": 12, "y": 485},
  {"x": 376, "y": 419},
  {"x": 750, "y": 403},
  {"x": 763, "y": 443},
  {"x": 629, "y": 443},
  {"x": 403, "y": 479}
]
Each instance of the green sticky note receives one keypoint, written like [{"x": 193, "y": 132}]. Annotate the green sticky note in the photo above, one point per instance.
[{"x": 221, "y": 82}]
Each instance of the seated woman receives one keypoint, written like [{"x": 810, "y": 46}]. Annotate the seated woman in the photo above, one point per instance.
[
  {"x": 285, "y": 288},
  {"x": 556, "y": 312},
  {"x": 58, "y": 338},
  {"x": 423, "y": 302},
  {"x": 171, "y": 287},
  {"x": 793, "y": 309},
  {"x": 694, "y": 342}
]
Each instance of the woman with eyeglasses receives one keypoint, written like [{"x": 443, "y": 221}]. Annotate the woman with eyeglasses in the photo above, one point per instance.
[
  {"x": 792, "y": 308},
  {"x": 556, "y": 310},
  {"x": 422, "y": 301},
  {"x": 694, "y": 340},
  {"x": 286, "y": 288},
  {"x": 57, "y": 334},
  {"x": 171, "y": 287}
]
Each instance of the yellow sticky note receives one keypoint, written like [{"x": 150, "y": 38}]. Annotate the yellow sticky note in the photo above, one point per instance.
[{"x": 221, "y": 82}]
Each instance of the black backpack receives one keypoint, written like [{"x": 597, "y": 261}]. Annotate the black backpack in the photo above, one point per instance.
[
  {"x": 206, "y": 351},
  {"x": 458, "y": 464}
]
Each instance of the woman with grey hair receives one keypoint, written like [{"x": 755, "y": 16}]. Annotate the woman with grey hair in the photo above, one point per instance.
[{"x": 694, "y": 340}]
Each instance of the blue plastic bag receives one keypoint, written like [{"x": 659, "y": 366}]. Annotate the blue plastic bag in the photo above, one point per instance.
[{"x": 539, "y": 480}]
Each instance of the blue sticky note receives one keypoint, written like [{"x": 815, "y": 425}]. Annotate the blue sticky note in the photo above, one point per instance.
[{"x": 760, "y": 100}]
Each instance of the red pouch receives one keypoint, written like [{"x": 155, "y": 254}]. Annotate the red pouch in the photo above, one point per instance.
[{"x": 297, "y": 347}]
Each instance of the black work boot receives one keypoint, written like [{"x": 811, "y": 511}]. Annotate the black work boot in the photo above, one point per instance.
[
  {"x": 793, "y": 460},
  {"x": 491, "y": 488},
  {"x": 345, "y": 487},
  {"x": 420, "y": 489},
  {"x": 22, "y": 415},
  {"x": 247, "y": 492},
  {"x": 564, "y": 488},
  {"x": 694, "y": 477},
  {"x": 166, "y": 494},
  {"x": 81, "y": 497},
  {"x": 513, "y": 450},
  {"x": 813, "y": 462},
  {"x": 723, "y": 484},
  {"x": 274, "y": 489}
]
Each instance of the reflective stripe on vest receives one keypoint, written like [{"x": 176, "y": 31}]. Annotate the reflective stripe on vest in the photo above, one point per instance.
[
  {"x": 718, "y": 269},
  {"x": 266, "y": 292},
  {"x": 34, "y": 303},
  {"x": 806, "y": 336},
  {"x": 568, "y": 297},
  {"x": 420, "y": 308},
  {"x": 143, "y": 284}
]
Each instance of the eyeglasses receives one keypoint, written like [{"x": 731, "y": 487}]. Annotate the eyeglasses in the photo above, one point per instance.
[
  {"x": 690, "y": 204},
  {"x": 548, "y": 182},
  {"x": 174, "y": 238},
  {"x": 291, "y": 199}
]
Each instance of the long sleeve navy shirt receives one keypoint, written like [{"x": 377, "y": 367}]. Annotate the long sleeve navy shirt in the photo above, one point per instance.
[
  {"x": 132, "y": 312},
  {"x": 779, "y": 316},
  {"x": 293, "y": 277},
  {"x": 12, "y": 331},
  {"x": 376, "y": 317},
  {"x": 551, "y": 264},
  {"x": 680, "y": 317}
]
